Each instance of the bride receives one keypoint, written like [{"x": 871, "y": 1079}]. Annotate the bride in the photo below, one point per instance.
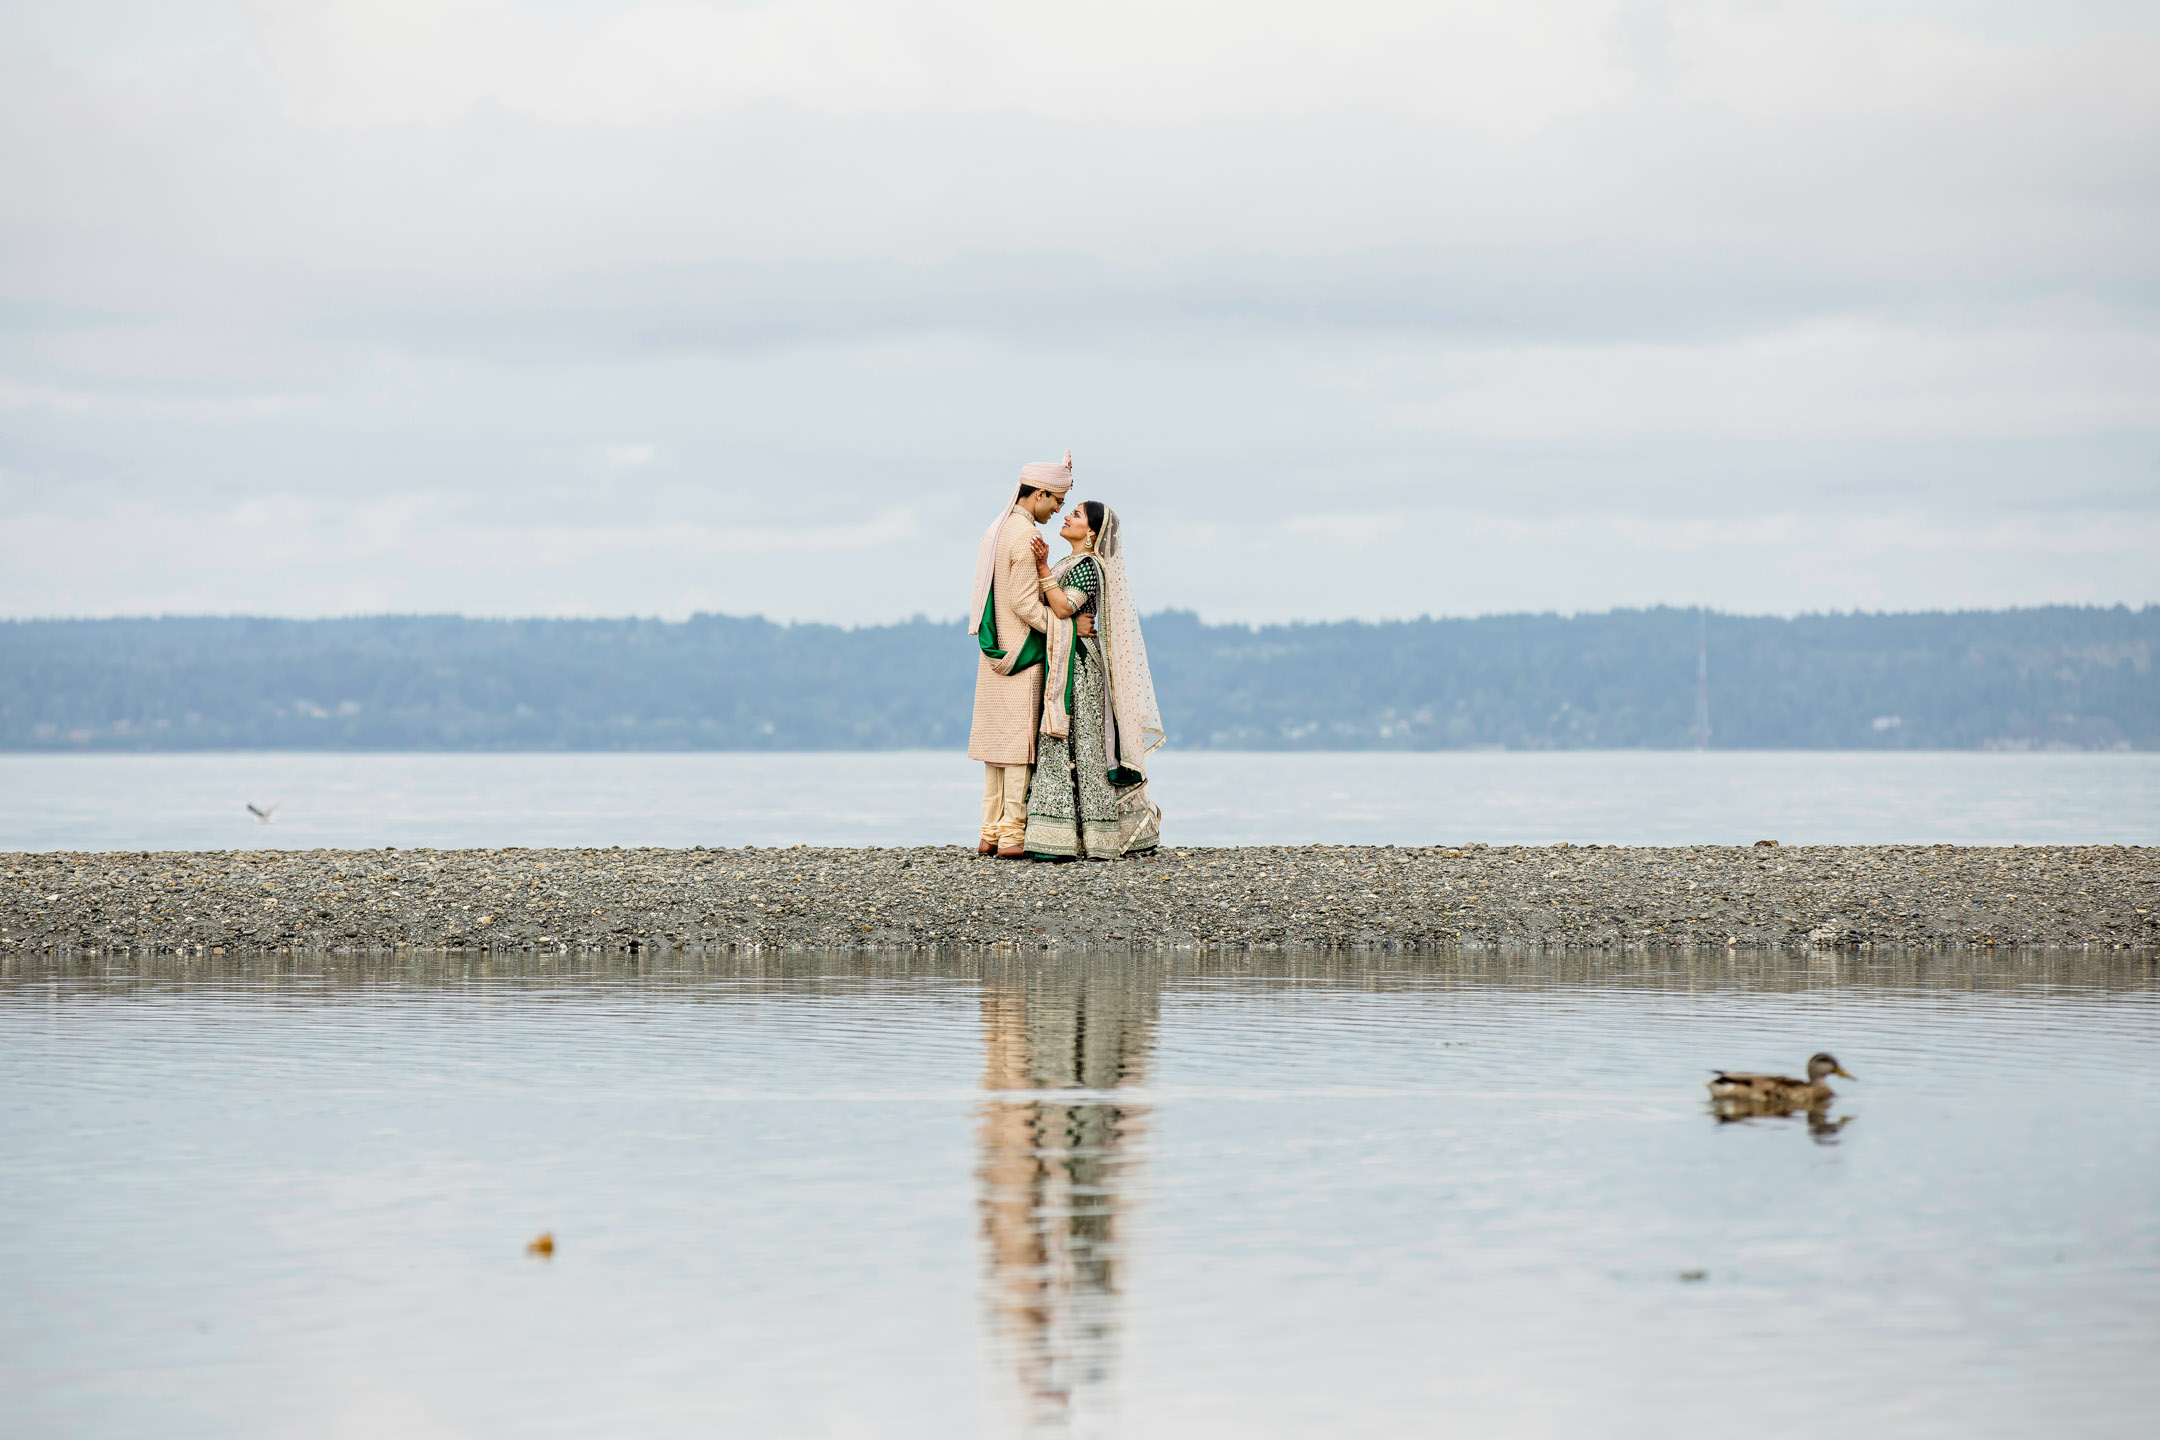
[{"x": 1088, "y": 798}]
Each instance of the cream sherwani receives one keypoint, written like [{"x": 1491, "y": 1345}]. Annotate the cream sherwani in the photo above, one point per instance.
[{"x": 1008, "y": 708}]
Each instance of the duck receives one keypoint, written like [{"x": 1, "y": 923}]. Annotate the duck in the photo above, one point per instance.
[{"x": 1780, "y": 1091}]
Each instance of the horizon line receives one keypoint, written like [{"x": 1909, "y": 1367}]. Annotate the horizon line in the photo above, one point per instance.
[{"x": 958, "y": 619}]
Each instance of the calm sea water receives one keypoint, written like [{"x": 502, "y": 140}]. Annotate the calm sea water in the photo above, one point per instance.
[
  {"x": 129, "y": 802},
  {"x": 1145, "y": 1196}
]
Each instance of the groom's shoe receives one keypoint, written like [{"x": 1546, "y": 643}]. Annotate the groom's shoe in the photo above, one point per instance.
[{"x": 987, "y": 847}]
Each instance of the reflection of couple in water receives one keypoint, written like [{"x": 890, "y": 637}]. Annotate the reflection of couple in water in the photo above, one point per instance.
[
  {"x": 1065, "y": 713},
  {"x": 1065, "y": 1041}
]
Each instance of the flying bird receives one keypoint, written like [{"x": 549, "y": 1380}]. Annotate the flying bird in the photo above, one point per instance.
[{"x": 261, "y": 814}]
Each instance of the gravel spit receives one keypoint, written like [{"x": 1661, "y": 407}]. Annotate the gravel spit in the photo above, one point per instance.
[{"x": 1831, "y": 897}]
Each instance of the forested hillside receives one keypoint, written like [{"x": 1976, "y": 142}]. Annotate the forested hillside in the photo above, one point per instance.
[{"x": 2053, "y": 677}]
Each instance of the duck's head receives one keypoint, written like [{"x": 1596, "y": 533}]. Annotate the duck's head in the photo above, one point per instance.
[{"x": 1823, "y": 1063}]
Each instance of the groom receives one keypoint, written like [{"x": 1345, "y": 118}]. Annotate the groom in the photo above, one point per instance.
[{"x": 1009, "y": 620}]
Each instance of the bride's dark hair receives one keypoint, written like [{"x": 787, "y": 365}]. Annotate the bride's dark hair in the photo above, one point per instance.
[{"x": 1094, "y": 509}]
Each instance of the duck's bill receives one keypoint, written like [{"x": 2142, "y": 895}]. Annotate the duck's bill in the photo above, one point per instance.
[{"x": 1841, "y": 1070}]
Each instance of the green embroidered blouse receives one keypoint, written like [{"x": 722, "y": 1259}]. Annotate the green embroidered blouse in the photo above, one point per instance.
[{"x": 1083, "y": 576}]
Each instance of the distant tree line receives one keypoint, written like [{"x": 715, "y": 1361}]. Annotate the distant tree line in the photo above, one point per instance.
[{"x": 2058, "y": 677}]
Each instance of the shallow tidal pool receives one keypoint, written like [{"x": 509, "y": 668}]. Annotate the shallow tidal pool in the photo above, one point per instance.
[{"x": 1170, "y": 1194}]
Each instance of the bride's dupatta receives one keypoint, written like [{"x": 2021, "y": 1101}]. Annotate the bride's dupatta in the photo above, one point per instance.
[{"x": 1133, "y": 720}]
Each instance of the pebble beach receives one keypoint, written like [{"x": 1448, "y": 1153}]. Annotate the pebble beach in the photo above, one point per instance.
[{"x": 1830, "y": 897}]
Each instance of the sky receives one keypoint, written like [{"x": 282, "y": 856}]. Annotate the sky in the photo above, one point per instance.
[{"x": 1357, "y": 309}]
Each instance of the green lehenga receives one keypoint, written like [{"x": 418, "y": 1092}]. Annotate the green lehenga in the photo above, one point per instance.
[{"x": 1072, "y": 807}]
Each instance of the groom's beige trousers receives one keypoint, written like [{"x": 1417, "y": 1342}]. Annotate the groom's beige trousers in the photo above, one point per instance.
[
  {"x": 1005, "y": 792},
  {"x": 1008, "y": 708}
]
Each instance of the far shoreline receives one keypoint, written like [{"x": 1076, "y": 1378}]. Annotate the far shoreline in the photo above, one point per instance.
[{"x": 1186, "y": 749}]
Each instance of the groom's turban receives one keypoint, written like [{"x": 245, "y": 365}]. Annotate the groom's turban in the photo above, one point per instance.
[
  {"x": 1052, "y": 475},
  {"x": 1049, "y": 474}
]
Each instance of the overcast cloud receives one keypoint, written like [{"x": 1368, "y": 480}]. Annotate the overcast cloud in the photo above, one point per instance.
[{"x": 1376, "y": 309}]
